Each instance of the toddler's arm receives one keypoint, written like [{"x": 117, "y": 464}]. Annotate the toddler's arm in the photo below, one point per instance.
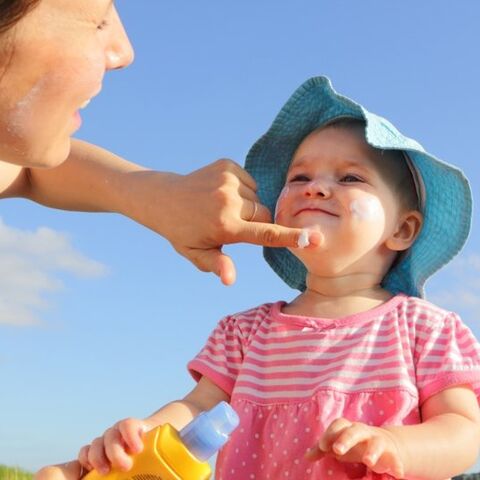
[
  {"x": 114, "y": 447},
  {"x": 444, "y": 445}
]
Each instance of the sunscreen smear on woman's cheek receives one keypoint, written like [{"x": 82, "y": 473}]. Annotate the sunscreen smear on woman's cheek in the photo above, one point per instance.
[
  {"x": 22, "y": 110},
  {"x": 367, "y": 209}
]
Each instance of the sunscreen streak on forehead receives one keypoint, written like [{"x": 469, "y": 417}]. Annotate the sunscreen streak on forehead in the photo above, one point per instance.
[{"x": 367, "y": 209}]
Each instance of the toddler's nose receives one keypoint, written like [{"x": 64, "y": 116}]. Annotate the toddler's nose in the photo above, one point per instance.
[{"x": 317, "y": 188}]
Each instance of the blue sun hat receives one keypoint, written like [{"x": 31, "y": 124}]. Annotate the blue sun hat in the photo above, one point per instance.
[{"x": 444, "y": 191}]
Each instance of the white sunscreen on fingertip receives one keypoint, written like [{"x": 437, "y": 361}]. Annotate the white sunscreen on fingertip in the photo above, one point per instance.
[{"x": 303, "y": 240}]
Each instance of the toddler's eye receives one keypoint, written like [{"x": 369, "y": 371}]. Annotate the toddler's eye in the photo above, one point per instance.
[
  {"x": 350, "y": 178},
  {"x": 299, "y": 178}
]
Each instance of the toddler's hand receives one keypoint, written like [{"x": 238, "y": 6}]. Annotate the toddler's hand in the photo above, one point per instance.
[
  {"x": 115, "y": 447},
  {"x": 355, "y": 442}
]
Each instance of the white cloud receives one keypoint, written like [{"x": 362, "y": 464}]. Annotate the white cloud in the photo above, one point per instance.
[
  {"x": 28, "y": 264},
  {"x": 463, "y": 292}
]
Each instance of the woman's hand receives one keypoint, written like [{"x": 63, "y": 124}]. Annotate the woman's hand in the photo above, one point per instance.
[
  {"x": 204, "y": 210},
  {"x": 354, "y": 442},
  {"x": 65, "y": 471},
  {"x": 197, "y": 213},
  {"x": 115, "y": 447}
]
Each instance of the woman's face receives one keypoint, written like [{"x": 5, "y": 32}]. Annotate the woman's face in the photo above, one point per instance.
[{"x": 51, "y": 64}]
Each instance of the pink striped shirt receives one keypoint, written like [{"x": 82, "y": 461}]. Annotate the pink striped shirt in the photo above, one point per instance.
[{"x": 290, "y": 376}]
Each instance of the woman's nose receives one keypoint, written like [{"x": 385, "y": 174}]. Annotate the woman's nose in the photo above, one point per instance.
[
  {"x": 119, "y": 52},
  {"x": 317, "y": 188}
]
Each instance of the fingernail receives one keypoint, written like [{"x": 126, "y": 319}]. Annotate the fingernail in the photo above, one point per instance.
[
  {"x": 310, "y": 454},
  {"x": 340, "y": 448},
  {"x": 315, "y": 238},
  {"x": 126, "y": 466}
]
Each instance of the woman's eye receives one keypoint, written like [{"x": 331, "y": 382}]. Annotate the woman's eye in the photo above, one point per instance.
[
  {"x": 350, "y": 179},
  {"x": 299, "y": 178}
]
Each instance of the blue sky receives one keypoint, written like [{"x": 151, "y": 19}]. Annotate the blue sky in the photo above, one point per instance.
[{"x": 99, "y": 316}]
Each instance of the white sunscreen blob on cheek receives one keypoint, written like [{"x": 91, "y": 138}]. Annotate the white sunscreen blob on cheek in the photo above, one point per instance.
[
  {"x": 367, "y": 209},
  {"x": 282, "y": 195}
]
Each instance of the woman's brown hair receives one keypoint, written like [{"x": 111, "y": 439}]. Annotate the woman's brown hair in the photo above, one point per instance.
[{"x": 11, "y": 11}]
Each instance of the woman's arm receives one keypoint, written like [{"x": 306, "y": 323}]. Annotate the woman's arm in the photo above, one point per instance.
[{"x": 198, "y": 213}]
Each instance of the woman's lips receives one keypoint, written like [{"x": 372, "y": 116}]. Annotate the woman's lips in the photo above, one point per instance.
[{"x": 77, "y": 120}]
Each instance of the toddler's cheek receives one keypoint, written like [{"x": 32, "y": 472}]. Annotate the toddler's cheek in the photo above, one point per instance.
[
  {"x": 367, "y": 209},
  {"x": 280, "y": 206}
]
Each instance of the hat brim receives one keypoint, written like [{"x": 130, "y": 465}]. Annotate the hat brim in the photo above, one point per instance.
[{"x": 447, "y": 204}]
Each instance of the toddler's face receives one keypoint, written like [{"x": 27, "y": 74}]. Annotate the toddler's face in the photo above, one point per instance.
[{"x": 333, "y": 186}]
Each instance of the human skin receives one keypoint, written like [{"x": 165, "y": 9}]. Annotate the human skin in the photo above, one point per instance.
[
  {"x": 333, "y": 187},
  {"x": 58, "y": 58},
  {"x": 324, "y": 188},
  {"x": 450, "y": 417},
  {"x": 51, "y": 64}
]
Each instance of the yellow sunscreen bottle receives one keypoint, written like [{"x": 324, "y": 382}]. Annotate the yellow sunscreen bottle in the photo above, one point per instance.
[{"x": 171, "y": 455}]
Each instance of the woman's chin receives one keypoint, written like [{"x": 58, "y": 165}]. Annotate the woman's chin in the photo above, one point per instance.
[{"x": 52, "y": 156}]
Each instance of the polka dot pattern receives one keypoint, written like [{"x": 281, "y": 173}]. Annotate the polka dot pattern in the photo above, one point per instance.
[{"x": 272, "y": 439}]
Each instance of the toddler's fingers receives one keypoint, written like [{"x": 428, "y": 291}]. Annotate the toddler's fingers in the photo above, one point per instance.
[
  {"x": 314, "y": 454},
  {"x": 97, "y": 457},
  {"x": 379, "y": 459},
  {"x": 132, "y": 431},
  {"x": 397, "y": 470},
  {"x": 115, "y": 450},
  {"x": 350, "y": 437},
  {"x": 373, "y": 452},
  {"x": 333, "y": 431},
  {"x": 83, "y": 457}
]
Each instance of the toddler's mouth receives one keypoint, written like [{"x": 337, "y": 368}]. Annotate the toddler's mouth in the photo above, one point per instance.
[{"x": 315, "y": 210}]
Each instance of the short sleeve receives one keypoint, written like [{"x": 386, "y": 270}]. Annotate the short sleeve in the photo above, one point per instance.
[
  {"x": 447, "y": 354},
  {"x": 221, "y": 357}
]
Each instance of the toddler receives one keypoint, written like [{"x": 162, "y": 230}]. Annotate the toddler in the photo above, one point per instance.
[{"x": 358, "y": 376}]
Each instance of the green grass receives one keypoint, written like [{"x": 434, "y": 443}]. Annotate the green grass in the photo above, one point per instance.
[{"x": 14, "y": 473}]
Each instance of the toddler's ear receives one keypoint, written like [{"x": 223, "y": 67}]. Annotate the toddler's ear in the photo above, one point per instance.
[{"x": 408, "y": 228}]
